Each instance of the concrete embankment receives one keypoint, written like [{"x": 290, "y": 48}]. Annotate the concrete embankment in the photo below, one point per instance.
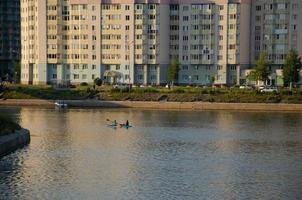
[
  {"x": 160, "y": 105},
  {"x": 14, "y": 141}
]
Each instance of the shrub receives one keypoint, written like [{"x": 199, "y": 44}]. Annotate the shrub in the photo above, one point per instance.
[
  {"x": 98, "y": 81},
  {"x": 205, "y": 91},
  {"x": 7, "y": 125},
  {"x": 212, "y": 92},
  {"x": 286, "y": 92},
  {"x": 179, "y": 90},
  {"x": 84, "y": 84},
  {"x": 145, "y": 90}
]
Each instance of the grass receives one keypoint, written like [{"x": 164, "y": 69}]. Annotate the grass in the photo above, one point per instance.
[
  {"x": 178, "y": 94},
  {"x": 43, "y": 92},
  {"x": 7, "y": 125},
  {"x": 193, "y": 94}
]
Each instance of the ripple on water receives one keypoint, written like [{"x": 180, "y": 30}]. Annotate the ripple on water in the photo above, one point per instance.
[{"x": 168, "y": 155}]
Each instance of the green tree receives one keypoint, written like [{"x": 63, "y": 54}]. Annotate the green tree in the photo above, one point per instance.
[
  {"x": 173, "y": 70},
  {"x": 261, "y": 71},
  {"x": 98, "y": 81},
  {"x": 291, "y": 68},
  {"x": 212, "y": 81}
]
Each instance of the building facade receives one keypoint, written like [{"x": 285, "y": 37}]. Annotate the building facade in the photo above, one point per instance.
[
  {"x": 133, "y": 41},
  {"x": 276, "y": 27},
  {"x": 9, "y": 36}
]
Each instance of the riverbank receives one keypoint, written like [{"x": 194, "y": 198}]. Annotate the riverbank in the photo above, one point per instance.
[
  {"x": 13, "y": 141},
  {"x": 162, "y": 105},
  {"x": 152, "y": 94}
]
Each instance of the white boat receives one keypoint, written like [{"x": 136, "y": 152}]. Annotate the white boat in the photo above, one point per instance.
[{"x": 60, "y": 104}]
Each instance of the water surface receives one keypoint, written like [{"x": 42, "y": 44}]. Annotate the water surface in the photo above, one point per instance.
[{"x": 166, "y": 155}]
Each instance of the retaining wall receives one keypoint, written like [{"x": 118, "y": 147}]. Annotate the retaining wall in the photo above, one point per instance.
[{"x": 14, "y": 141}]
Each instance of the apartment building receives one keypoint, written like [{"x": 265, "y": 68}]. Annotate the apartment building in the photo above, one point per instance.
[
  {"x": 276, "y": 27},
  {"x": 9, "y": 36},
  {"x": 211, "y": 40},
  {"x": 133, "y": 41},
  {"x": 79, "y": 41}
]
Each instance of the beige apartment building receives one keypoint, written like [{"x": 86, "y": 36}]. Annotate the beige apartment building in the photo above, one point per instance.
[{"x": 133, "y": 41}]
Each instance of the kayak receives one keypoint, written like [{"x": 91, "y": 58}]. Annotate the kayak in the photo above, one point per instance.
[{"x": 119, "y": 126}]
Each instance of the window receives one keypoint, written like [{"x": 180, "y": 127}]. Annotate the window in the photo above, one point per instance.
[
  {"x": 76, "y": 66},
  {"x": 140, "y": 77},
  {"x": 127, "y": 17},
  {"x": 76, "y": 76}
]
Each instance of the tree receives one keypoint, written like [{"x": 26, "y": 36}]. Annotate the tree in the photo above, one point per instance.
[
  {"x": 212, "y": 81},
  {"x": 173, "y": 70},
  {"x": 98, "y": 81},
  {"x": 291, "y": 68},
  {"x": 261, "y": 71}
]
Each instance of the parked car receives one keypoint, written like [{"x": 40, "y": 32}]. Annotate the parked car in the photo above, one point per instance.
[
  {"x": 245, "y": 87},
  {"x": 269, "y": 89},
  {"x": 121, "y": 86}
]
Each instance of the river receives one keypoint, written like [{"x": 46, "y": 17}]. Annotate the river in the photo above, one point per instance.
[{"x": 166, "y": 155}]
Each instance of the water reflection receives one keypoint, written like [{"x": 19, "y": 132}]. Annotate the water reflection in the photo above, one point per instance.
[{"x": 167, "y": 155}]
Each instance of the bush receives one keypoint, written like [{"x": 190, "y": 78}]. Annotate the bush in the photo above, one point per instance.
[
  {"x": 178, "y": 90},
  {"x": 7, "y": 125},
  {"x": 204, "y": 91},
  {"x": 145, "y": 90},
  {"x": 286, "y": 92},
  {"x": 212, "y": 92},
  {"x": 115, "y": 90},
  {"x": 84, "y": 84},
  {"x": 98, "y": 81}
]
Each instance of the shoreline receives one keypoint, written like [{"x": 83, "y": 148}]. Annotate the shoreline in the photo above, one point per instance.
[
  {"x": 160, "y": 105},
  {"x": 12, "y": 142}
]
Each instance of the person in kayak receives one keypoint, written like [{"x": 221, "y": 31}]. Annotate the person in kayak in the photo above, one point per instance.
[
  {"x": 127, "y": 123},
  {"x": 114, "y": 123}
]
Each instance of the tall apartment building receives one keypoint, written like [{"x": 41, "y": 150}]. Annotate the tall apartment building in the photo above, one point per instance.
[
  {"x": 210, "y": 39},
  {"x": 78, "y": 41},
  {"x": 133, "y": 41},
  {"x": 9, "y": 36},
  {"x": 276, "y": 27}
]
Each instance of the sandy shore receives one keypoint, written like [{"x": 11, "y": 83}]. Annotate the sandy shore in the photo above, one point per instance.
[{"x": 157, "y": 105}]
